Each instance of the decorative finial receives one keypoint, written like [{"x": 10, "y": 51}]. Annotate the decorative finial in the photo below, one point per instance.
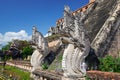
[
  {"x": 34, "y": 28},
  {"x": 67, "y": 8}
]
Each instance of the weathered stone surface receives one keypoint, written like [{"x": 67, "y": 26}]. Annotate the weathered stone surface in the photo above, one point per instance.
[
  {"x": 73, "y": 62},
  {"x": 100, "y": 75},
  {"x": 39, "y": 41},
  {"x": 64, "y": 78},
  {"x": 54, "y": 45},
  {"x": 97, "y": 17},
  {"x": 103, "y": 38},
  {"x": 42, "y": 49},
  {"x": 114, "y": 48},
  {"x": 47, "y": 74},
  {"x": 94, "y": 18},
  {"x": 36, "y": 60},
  {"x": 102, "y": 21}
]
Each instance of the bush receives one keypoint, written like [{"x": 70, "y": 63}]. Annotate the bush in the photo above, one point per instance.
[
  {"x": 110, "y": 64},
  {"x": 44, "y": 66}
]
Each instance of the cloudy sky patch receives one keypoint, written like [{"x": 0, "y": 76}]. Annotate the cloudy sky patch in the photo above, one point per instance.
[{"x": 9, "y": 36}]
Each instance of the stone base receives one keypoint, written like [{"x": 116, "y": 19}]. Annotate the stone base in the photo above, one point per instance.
[{"x": 65, "y": 78}]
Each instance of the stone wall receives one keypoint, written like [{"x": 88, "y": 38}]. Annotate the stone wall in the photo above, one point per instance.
[
  {"x": 97, "y": 17},
  {"x": 107, "y": 32},
  {"x": 114, "y": 48}
]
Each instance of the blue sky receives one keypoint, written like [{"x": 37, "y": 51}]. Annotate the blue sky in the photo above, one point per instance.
[{"x": 17, "y": 15}]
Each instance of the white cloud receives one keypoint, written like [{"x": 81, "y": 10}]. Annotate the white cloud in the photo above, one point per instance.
[
  {"x": 48, "y": 35},
  {"x": 9, "y": 36},
  {"x": 1, "y": 36}
]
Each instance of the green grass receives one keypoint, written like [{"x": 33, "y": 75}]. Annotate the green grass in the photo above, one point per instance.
[
  {"x": 17, "y": 73},
  {"x": 53, "y": 37}
]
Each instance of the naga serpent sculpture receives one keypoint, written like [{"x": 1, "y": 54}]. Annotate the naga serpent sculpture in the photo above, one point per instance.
[
  {"x": 41, "y": 51},
  {"x": 73, "y": 62},
  {"x": 12, "y": 52}
]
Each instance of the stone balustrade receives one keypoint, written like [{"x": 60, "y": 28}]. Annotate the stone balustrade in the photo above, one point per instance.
[
  {"x": 50, "y": 75},
  {"x": 99, "y": 75},
  {"x": 46, "y": 75},
  {"x": 21, "y": 65},
  {"x": 92, "y": 75}
]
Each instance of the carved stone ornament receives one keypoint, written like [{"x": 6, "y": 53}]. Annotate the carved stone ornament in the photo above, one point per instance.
[
  {"x": 41, "y": 49},
  {"x": 73, "y": 62}
]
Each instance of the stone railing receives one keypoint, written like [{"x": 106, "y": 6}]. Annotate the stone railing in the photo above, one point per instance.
[
  {"x": 99, "y": 75},
  {"x": 51, "y": 75},
  {"x": 46, "y": 75},
  {"x": 1, "y": 63},
  {"x": 92, "y": 75},
  {"x": 20, "y": 64}
]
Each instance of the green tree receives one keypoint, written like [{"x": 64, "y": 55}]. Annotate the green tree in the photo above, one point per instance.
[
  {"x": 6, "y": 47},
  {"x": 20, "y": 44},
  {"x": 28, "y": 50}
]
